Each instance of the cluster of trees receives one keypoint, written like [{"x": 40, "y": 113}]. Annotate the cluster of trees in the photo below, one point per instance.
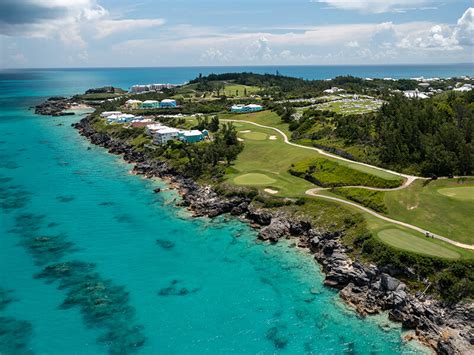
[
  {"x": 211, "y": 124},
  {"x": 280, "y": 86},
  {"x": 206, "y": 160},
  {"x": 436, "y": 135},
  {"x": 429, "y": 137}
]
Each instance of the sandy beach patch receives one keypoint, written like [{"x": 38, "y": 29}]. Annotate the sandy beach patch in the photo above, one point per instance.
[{"x": 271, "y": 191}]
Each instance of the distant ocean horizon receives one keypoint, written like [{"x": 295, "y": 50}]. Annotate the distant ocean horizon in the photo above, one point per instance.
[{"x": 79, "y": 79}]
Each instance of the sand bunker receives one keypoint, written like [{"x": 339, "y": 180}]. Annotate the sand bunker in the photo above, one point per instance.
[
  {"x": 246, "y": 131},
  {"x": 272, "y": 138},
  {"x": 271, "y": 191}
]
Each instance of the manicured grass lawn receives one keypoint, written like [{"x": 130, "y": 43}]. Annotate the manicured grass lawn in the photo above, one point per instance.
[
  {"x": 256, "y": 136},
  {"x": 459, "y": 193},
  {"x": 272, "y": 158},
  {"x": 376, "y": 225},
  {"x": 239, "y": 90},
  {"x": 428, "y": 206},
  {"x": 405, "y": 241},
  {"x": 253, "y": 179},
  {"x": 266, "y": 118},
  {"x": 330, "y": 173}
]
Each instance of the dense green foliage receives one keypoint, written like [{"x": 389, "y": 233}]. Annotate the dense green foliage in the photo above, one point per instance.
[
  {"x": 435, "y": 135},
  {"x": 206, "y": 160},
  {"x": 368, "y": 198},
  {"x": 327, "y": 173}
]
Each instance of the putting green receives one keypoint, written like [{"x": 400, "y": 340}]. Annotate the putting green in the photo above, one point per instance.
[
  {"x": 402, "y": 240},
  {"x": 464, "y": 193},
  {"x": 253, "y": 179},
  {"x": 256, "y": 136}
]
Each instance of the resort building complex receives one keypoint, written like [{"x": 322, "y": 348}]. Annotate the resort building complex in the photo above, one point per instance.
[
  {"x": 150, "y": 87},
  {"x": 246, "y": 108},
  {"x": 166, "y": 103}
]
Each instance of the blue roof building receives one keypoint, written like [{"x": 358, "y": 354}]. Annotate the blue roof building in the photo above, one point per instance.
[
  {"x": 168, "y": 103},
  {"x": 246, "y": 108}
]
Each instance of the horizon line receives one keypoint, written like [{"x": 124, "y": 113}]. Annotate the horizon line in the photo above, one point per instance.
[{"x": 241, "y": 66}]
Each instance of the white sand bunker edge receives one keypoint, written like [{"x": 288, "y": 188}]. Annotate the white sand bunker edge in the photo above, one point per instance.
[
  {"x": 240, "y": 139},
  {"x": 270, "y": 191},
  {"x": 272, "y": 138},
  {"x": 246, "y": 131}
]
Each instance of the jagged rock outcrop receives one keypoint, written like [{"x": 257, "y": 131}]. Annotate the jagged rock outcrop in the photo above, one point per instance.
[
  {"x": 54, "y": 106},
  {"x": 368, "y": 288}
]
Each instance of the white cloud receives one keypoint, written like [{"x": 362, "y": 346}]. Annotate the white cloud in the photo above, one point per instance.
[
  {"x": 376, "y": 6},
  {"x": 443, "y": 37},
  {"x": 108, "y": 27},
  {"x": 352, "y": 44},
  {"x": 214, "y": 55},
  {"x": 464, "y": 31}
]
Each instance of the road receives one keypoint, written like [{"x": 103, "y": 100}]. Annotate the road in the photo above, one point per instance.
[
  {"x": 407, "y": 182},
  {"x": 314, "y": 193}
]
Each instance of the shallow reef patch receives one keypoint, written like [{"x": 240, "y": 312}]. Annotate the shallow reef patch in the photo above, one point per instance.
[
  {"x": 14, "y": 334},
  {"x": 65, "y": 199},
  {"x": 174, "y": 289},
  {"x": 102, "y": 303},
  {"x": 165, "y": 244}
]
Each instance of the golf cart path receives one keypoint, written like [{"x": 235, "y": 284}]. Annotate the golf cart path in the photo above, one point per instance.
[
  {"x": 314, "y": 193},
  {"x": 407, "y": 182},
  {"x": 408, "y": 178}
]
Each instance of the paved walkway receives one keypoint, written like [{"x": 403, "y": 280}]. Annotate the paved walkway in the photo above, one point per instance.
[
  {"x": 314, "y": 193},
  {"x": 408, "y": 178},
  {"x": 408, "y": 181}
]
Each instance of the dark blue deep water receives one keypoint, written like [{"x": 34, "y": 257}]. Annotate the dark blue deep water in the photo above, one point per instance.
[{"x": 92, "y": 261}]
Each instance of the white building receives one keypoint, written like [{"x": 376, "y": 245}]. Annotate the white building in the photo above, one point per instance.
[
  {"x": 151, "y": 87},
  {"x": 164, "y": 135},
  {"x": 151, "y": 129},
  {"x": 133, "y": 103},
  {"x": 333, "y": 90},
  {"x": 464, "y": 88},
  {"x": 415, "y": 94},
  {"x": 110, "y": 113}
]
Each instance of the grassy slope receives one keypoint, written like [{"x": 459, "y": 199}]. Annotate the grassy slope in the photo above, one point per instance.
[
  {"x": 268, "y": 118},
  {"x": 273, "y": 158},
  {"x": 376, "y": 226},
  {"x": 430, "y": 209},
  {"x": 328, "y": 173}
]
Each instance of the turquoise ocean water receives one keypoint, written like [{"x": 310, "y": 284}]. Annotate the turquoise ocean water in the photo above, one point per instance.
[{"x": 92, "y": 261}]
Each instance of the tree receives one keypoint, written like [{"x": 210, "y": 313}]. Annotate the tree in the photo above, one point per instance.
[{"x": 214, "y": 124}]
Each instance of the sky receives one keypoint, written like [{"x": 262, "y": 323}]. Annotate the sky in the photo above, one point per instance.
[{"x": 119, "y": 33}]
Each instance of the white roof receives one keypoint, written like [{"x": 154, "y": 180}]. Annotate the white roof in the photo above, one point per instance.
[
  {"x": 168, "y": 100},
  {"x": 126, "y": 115},
  {"x": 109, "y": 113},
  {"x": 132, "y": 101},
  {"x": 167, "y": 130},
  {"x": 150, "y": 102},
  {"x": 254, "y": 105},
  {"x": 155, "y": 126},
  {"x": 192, "y": 133}
]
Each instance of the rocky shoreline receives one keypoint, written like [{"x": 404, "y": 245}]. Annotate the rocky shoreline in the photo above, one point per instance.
[
  {"x": 368, "y": 288},
  {"x": 54, "y": 106}
]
